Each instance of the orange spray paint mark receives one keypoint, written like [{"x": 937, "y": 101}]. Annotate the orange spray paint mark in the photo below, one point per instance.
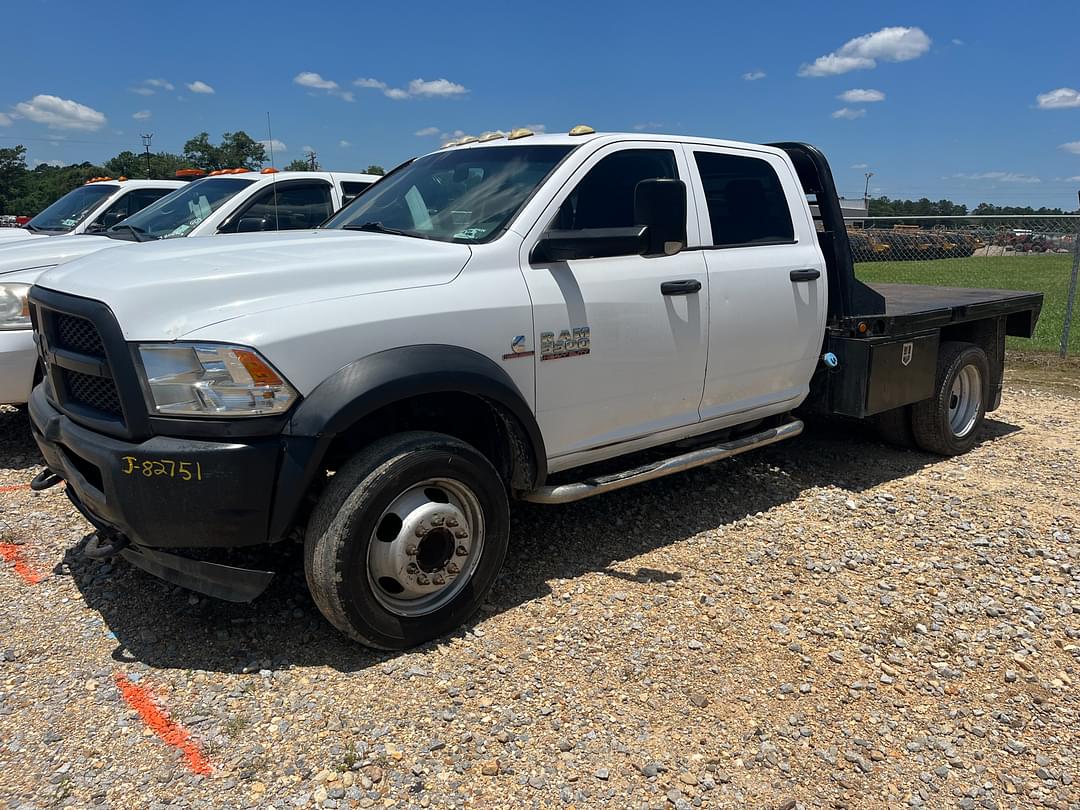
[
  {"x": 14, "y": 487},
  {"x": 11, "y": 553},
  {"x": 142, "y": 701}
]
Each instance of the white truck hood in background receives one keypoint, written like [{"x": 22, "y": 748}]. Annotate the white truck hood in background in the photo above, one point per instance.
[
  {"x": 166, "y": 289},
  {"x": 24, "y": 255}
]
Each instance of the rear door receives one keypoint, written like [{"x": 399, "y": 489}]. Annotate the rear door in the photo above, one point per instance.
[
  {"x": 767, "y": 284},
  {"x": 618, "y": 359}
]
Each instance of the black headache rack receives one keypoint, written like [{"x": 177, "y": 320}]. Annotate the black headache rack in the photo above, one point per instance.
[{"x": 883, "y": 339}]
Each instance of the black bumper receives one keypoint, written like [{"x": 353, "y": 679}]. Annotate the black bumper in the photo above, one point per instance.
[{"x": 163, "y": 492}]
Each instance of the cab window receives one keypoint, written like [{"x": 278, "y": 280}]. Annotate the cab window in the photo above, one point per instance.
[
  {"x": 605, "y": 196},
  {"x": 295, "y": 206},
  {"x": 747, "y": 205},
  {"x": 131, "y": 203},
  {"x": 350, "y": 189}
]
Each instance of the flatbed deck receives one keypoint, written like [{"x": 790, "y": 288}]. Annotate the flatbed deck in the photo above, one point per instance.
[{"x": 936, "y": 306}]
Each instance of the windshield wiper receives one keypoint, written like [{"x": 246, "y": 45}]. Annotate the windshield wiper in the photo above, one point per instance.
[
  {"x": 375, "y": 226},
  {"x": 135, "y": 232}
]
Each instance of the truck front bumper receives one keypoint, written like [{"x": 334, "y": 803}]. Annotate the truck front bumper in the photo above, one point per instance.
[
  {"x": 18, "y": 357},
  {"x": 164, "y": 492}
]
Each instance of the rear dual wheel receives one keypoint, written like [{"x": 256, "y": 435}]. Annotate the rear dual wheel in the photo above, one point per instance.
[
  {"x": 948, "y": 422},
  {"x": 407, "y": 539}
]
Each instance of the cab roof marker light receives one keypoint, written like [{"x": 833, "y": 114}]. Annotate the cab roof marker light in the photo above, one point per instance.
[
  {"x": 582, "y": 129},
  {"x": 490, "y": 136},
  {"x": 468, "y": 139},
  {"x": 269, "y": 170},
  {"x": 520, "y": 132}
]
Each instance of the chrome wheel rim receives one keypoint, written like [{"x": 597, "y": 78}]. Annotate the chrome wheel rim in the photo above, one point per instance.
[
  {"x": 965, "y": 401},
  {"x": 425, "y": 547}
]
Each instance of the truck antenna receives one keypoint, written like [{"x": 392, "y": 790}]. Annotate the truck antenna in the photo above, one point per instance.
[{"x": 273, "y": 177}]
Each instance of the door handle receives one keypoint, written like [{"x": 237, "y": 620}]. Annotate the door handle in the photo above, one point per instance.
[
  {"x": 686, "y": 286},
  {"x": 805, "y": 275}
]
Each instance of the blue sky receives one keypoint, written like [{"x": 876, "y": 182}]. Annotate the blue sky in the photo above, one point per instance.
[{"x": 960, "y": 115}]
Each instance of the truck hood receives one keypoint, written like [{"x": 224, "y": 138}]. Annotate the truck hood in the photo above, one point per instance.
[
  {"x": 164, "y": 290},
  {"x": 30, "y": 253}
]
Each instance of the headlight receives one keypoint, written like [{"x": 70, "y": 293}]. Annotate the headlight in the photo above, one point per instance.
[
  {"x": 207, "y": 379},
  {"x": 14, "y": 308}
]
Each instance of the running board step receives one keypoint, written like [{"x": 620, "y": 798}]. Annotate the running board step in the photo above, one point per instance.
[{"x": 565, "y": 493}]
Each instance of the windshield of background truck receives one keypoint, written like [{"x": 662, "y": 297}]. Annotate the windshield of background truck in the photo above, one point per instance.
[
  {"x": 71, "y": 209},
  {"x": 463, "y": 195},
  {"x": 180, "y": 212}
]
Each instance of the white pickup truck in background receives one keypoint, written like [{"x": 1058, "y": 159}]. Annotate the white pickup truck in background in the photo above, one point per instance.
[
  {"x": 92, "y": 207},
  {"x": 233, "y": 202}
]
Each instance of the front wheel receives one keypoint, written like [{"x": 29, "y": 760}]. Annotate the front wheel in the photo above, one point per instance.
[
  {"x": 407, "y": 539},
  {"x": 948, "y": 422}
]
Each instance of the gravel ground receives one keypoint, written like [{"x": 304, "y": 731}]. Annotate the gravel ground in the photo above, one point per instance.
[{"x": 828, "y": 622}]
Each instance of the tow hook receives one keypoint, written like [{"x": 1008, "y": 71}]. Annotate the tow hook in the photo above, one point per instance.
[
  {"x": 96, "y": 551},
  {"x": 45, "y": 479}
]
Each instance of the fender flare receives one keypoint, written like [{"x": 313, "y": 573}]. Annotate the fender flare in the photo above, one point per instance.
[{"x": 369, "y": 383}]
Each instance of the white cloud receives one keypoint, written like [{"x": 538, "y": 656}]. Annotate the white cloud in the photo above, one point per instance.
[
  {"x": 417, "y": 88},
  {"x": 141, "y": 115},
  {"x": 1075, "y": 179},
  {"x": 647, "y": 125},
  {"x": 5, "y": 120},
  {"x": 426, "y": 132},
  {"x": 1058, "y": 99},
  {"x": 60, "y": 113},
  {"x": 314, "y": 81},
  {"x": 895, "y": 44},
  {"x": 305, "y": 148},
  {"x": 860, "y": 165},
  {"x": 859, "y": 96},
  {"x": 200, "y": 87},
  {"x": 147, "y": 87},
  {"x": 53, "y": 162},
  {"x": 274, "y": 144},
  {"x": 1001, "y": 177},
  {"x": 754, "y": 75},
  {"x": 1072, "y": 146},
  {"x": 958, "y": 42},
  {"x": 536, "y": 127},
  {"x": 848, "y": 113},
  {"x": 344, "y": 144}
]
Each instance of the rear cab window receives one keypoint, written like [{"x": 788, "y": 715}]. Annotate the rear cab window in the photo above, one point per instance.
[{"x": 745, "y": 200}]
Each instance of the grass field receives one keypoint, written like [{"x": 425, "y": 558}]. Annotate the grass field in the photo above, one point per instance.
[{"x": 1045, "y": 273}]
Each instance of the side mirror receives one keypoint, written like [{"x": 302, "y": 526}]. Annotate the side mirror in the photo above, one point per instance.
[
  {"x": 660, "y": 205},
  {"x": 252, "y": 224},
  {"x": 107, "y": 220},
  {"x": 590, "y": 243}
]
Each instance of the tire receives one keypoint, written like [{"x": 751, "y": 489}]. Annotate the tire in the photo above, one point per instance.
[
  {"x": 948, "y": 423},
  {"x": 407, "y": 539},
  {"x": 894, "y": 426}
]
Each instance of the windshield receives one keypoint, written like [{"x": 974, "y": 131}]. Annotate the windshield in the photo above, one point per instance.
[
  {"x": 71, "y": 209},
  {"x": 178, "y": 213},
  {"x": 464, "y": 195}
]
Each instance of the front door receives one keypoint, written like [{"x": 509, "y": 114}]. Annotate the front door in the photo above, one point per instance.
[{"x": 617, "y": 358}]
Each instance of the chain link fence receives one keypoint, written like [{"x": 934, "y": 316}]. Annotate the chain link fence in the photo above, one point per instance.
[{"x": 1001, "y": 252}]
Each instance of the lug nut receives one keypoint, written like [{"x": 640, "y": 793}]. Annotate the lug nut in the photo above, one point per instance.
[
  {"x": 462, "y": 551},
  {"x": 451, "y": 522},
  {"x": 421, "y": 580},
  {"x": 412, "y": 568},
  {"x": 411, "y": 551},
  {"x": 452, "y": 568},
  {"x": 437, "y": 520},
  {"x": 461, "y": 534},
  {"x": 420, "y": 531},
  {"x": 439, "y": 579}
]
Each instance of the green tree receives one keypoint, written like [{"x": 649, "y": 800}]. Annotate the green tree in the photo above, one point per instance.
[
  {"x": 12, "y": 177},
  {"x": 298, "y": 165},
  {"x": 237, "y": 150},
  {"x": 163, "y": 166},
  {"x": 374, "y": 169}
]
